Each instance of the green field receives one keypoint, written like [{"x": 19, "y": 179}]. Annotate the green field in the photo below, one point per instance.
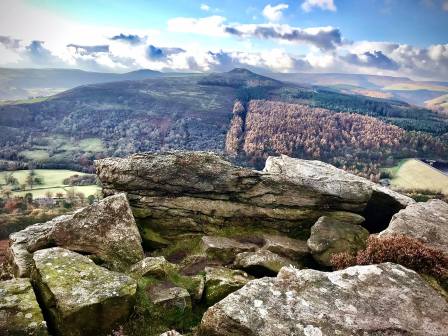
[
  {"x": 62, "y": 149},
  {"x": 52, "y": 182},
  {"x": 415, "y": 86},
  {"x": 414, "y": 174}
]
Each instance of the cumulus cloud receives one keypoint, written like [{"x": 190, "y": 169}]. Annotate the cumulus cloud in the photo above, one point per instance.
[
  {"x": 445, "y": 5},
  {"x": 131, "y": 39},
  {"x": 36, "y": 53},
  {"x": 86, "y": 50},
  {"x": 205, "y": 7},
  {"x": 322, "y": 37},
  {"x": 155, "y": 53},
  {"x": 308, "y": 5},
  {"x": 274, "y": 13},
  {"x": 375, "y": 59},
  {"x": 9, "y": 43}
]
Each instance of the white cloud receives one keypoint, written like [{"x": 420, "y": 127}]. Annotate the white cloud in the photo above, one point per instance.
[
  {"x": 274, "y": 13},
  {"x": 321, "y": 37},
  {"x": 205, "y": 7},
  {"x": 308, "y": 5},
  {"x": 44, "y": 39},
  {"x": 211, "y": 25}
]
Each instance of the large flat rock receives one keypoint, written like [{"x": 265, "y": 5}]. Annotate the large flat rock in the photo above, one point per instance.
[
  {"x": 80, "y": 297},
  {"x": 382, "y": 202},
  {"x": 106, "y": 230},
  {"x": 426, "y": 221},
  {"x": 177, "y": 193},
  {"x": 20, "y": 314},
  {"x": 384, "y": 299}
]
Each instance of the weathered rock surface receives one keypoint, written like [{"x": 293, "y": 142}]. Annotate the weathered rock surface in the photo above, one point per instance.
[
  {"x": 329, "y": 236},
  {"x": 380, "y": 202},
  {"x": 170, "y": 304},
  {"x": 293, "y": 249},
  {"x": 426, "y": 221},
  {"x": 20, "y": 314},
  {"x": 221, "y": 281},
  {"x": 224, "y": 249},
  {"x": 179, "y": 193},
  {"x": 384, "y": 299},
  {"x": 262, "y": 262},
  {"x": 156, "y": 267},
  {"x": 80, "y": 297},
  {"x": 171, "y": 333},
  {"x": 107, "y": 230}
]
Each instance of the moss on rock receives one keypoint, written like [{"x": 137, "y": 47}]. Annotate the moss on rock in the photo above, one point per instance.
[
  {"x": 20, "y": 314},
  {"x": 80, "y": 297}
]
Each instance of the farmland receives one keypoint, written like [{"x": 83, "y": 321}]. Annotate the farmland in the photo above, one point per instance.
[
  {"x": 52, "y": 181},
  {"x": 413, "y": 174}
]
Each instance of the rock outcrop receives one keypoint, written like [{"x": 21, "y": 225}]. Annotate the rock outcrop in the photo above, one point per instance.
[
  {"x": 221, "y": 281},
  {"x": 224, "y": 249},
  {"x": 381, "y": 202},
  {"x": 426, "y": 221},
  {"x": 80, "y": 297},
  {"x": 199, "y": 193},
  {"x": 156, "y": 267},
  {"x": 20, "y": 314},
  {"x": 293, "y": 249},
  {"x": 330, "y": 236},
  {"x": 106, "y": 230},
  {"x": 262, "y": 262},
  {"x": 384, "y": 299}
]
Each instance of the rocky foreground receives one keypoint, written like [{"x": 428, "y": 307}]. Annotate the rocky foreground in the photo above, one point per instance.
[{"x": 187, "y": 241}]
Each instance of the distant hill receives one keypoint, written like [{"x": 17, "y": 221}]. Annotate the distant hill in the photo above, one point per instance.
[
  {"x": 192, "y": 112},
  {"x": 399, "y": 88},
  {"x": 16, "y": 84}
]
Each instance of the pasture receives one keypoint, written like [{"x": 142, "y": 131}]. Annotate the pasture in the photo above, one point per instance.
[
  {"x": 52, "y": 182},
  {"x": 414, "y": 174}
]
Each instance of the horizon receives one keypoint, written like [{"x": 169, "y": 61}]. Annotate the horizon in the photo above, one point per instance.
[{"x": 373, "y": 37}]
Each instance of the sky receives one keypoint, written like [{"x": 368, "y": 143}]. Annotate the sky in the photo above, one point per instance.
[{"x": 381, "y": 37}]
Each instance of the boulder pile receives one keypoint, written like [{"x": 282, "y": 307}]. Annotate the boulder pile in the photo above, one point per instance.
[{"x": 188, "y": 243}]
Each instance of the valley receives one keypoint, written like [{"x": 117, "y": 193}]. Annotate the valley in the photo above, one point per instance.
[{"x": 194, "y": 112}]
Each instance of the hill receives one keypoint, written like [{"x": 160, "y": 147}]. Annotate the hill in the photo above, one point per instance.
[
  {"x": 17, "y": 84},
  {"x": 193, "y": 112},
  {"x": 399, "y": 88}
]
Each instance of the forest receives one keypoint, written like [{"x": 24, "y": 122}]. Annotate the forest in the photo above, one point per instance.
[{"x": 352, "y": 141}]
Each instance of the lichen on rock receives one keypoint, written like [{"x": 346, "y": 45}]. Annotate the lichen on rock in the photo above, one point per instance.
[
  {"x": 106, "y": 230},
  {"x": 81, "y": 298},
  {"x": 384, "y": 299},
  {"x": 330, "y": 236},
  {"x": 20, "y": 314}
]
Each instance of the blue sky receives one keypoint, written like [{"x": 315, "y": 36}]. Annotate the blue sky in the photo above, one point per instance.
[
  {"x": 416, "y": 22},
  {"x": 390, "y": 37}
]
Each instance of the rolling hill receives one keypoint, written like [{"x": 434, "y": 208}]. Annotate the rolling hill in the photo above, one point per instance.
[
  {"x": 193, "y": 112},
  {"x": 399, "y": 88},
  {"x": 18, "y": 84}
]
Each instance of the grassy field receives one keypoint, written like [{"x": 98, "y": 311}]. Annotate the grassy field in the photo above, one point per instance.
[
  {"x": 415, "y": 86},
  {"x": 63, "y": 149},
  {"x": 52, "y": 182},
  {"x": 439, "y": 102},
  {"x": 414, "y": 174}
]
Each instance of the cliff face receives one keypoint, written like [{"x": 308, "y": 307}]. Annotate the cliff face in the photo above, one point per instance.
[{"x": 197, "y": 192}]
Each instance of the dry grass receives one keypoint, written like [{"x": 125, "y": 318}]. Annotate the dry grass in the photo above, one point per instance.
[{"x": 416, "y": 175}]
